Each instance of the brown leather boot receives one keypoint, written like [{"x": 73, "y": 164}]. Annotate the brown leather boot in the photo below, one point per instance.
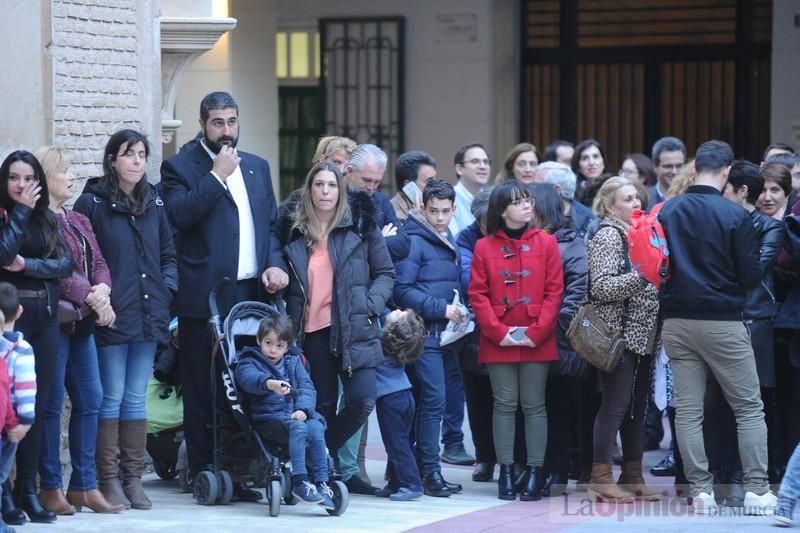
[
  {"x": 632, "y": 481},
  {"x": 602, "y": 487},
  {"x": 108, "y": 463},
  {"x": 132, "y": 443},
  {"x": 53, "y": 500},
  {"x": 94, "y": 500}
]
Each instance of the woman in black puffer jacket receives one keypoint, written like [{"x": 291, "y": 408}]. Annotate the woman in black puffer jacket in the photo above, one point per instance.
[
  {"x": 564, "y": 412},
  {"x": 341, "y": 276},
  {"x": 131, "y": 226}
]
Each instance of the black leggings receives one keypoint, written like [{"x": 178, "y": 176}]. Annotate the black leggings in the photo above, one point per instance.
[
  {"x": 41, "y": 331},
  {"x": 359, "y": 389},
  {"x": 623, "y": 409}
]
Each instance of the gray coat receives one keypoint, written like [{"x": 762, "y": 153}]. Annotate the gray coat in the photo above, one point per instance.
[{"x": 363, "y": 276}]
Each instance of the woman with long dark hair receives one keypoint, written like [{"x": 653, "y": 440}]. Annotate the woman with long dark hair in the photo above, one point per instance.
[
  {"x": 566, "y": 416},
  {"x": 516, "y": 283},
  {"x": 34, "y": 257},
  {"x": 589, "y": 165},
  {"x": 341, "y": 276},
  {"x": 87, "y": 291},
  {"x": 132, "y": 229}
]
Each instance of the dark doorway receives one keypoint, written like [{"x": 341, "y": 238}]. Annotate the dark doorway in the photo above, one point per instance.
[
  {"x": 300, "y": 128},
  {"x": 627, "y": 72},
  {"x": 362, "y": 81}
]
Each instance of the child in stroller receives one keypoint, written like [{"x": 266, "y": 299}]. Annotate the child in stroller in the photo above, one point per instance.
[{"x": 282, "y": 399}]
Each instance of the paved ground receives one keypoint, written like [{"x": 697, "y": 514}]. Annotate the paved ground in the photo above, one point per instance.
[{"x": 476, "y": 509}]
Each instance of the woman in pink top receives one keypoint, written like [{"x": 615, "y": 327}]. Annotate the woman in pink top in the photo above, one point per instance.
[{"x": 341, "y": 276}]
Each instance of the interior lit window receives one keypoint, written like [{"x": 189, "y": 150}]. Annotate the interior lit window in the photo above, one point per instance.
[
  {"x": 297, "y": 55},
  {"x": 281, "y": 53}
]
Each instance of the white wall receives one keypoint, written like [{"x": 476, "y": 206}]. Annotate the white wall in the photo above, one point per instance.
[
  {"x": 25, "y": 28},
  {"x": 242, "y": 63},
  {"x": 785, "y": 73},
  {"x": 449, "y": 95}
]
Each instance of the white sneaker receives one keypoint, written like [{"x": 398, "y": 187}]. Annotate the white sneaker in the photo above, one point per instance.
[
  {"x": 763, "y": 505},
  {"x": 704, "y": 503}
]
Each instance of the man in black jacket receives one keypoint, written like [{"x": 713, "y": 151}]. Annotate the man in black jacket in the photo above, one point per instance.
[
  {"x": 715, "y": 262},
  {"x": 222, "y": 205}
]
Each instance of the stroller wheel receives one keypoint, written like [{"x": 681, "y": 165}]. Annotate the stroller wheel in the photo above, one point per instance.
[
  {"x": 206, "y": 488},
  {"x": 183, "y": 481},
  {"x": 341, "y": 498},
  {"x": 286, "y": 484},
  {"x": 274, "y": 497},
  {"x": 225, "y": 487},
  {"x": 164, "y": 470}
]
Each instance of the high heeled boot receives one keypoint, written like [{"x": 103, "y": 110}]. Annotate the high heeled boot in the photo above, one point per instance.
[
  {"x": 132, "y": 445},
  {"x": 505, "y": 483},
  {"x": 602, "y": 487},
  {"x": 106, "y": 458},
  {"x": 532, "y": 491},
  {"x": 633, "y": 482},
  {"x": 26, "y": 498}
]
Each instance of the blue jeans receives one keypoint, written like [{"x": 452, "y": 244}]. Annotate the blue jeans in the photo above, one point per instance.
[
  {"x": 7, "y": 455},
  {"x": 396, "y": 418},
  {"x": 429, "y": 376},
  {"x": 454, "y": 401},
  {"x": 77, "y": 370},
  {"x": 790, "y": 484},
  {"x": 125, "y": 370},
  {"x": 300, "y": 437}
]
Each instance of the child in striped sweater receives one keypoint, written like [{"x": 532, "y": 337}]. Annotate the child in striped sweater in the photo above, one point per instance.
[{"x": 17, "y": 382}]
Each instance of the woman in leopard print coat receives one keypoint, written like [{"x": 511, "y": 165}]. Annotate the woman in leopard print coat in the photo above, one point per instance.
[{"x": 613, "y": 286}]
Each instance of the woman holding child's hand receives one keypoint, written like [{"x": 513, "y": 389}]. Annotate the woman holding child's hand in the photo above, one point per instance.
[{"x": 88, "y": 290}]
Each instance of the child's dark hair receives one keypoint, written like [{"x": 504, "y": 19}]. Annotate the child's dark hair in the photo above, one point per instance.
[
  {"x": 9, "y": 300},
  {"x": 439, "y": 189},
  {"x": 279, "y": 324},
  {"x": 404, "y": 339}
]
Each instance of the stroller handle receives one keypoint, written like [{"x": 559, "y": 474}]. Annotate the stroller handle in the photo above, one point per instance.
[{"x": 214, "y": 319}]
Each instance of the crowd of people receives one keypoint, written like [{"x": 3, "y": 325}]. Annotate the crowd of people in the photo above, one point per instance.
[{"x": 374, "y": 289}]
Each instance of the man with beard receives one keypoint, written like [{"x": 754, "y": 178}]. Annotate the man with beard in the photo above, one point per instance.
[{"x": 222, "y": 205}]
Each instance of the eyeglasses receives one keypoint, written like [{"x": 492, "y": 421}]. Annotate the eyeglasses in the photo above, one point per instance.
[
  {"x": 522, "y": 201},
  {"x": 628, "y": 172},
  {"x": 476, "y": 162}
]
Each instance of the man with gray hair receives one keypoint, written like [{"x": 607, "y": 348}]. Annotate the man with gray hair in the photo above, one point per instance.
[
  {"x": 565, "y": 182},
  {"x": 364, "y": 172}
]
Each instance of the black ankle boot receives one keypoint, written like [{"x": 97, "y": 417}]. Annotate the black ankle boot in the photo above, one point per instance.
[
  {"x": 25, "y": 497},
  {"x": 505, "y": 483},
  {"x": 12, "y": 515},
  {"x": 555, "y": 484},
  {"x": 533, "y": 487}
]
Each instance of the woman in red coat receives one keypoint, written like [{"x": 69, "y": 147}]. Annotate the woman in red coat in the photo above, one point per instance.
[{"x": 516, "y": 282}]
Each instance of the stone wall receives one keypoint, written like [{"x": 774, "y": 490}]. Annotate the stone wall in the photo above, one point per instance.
[{"x": 105, "y": 77}]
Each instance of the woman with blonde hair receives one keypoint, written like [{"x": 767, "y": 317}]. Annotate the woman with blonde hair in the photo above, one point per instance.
[
  {"x": 87, "y": 291},
  {"x": 333, "y": 149},
  {"x": 519, "y": 165},
  {"x": 627, "y": 302},
  {"x": 341, "y": 276},
  {"x": 330, "y": 149}
]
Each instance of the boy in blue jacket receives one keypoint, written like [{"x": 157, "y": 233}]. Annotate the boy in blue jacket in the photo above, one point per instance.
[
  {"x": 282, "y": 399},
  {"x": 425, "y": 283},
  {"x": 403, "y": 341}
]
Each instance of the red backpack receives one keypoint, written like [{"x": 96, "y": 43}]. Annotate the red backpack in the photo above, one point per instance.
[{"x": 647, "y": 247}]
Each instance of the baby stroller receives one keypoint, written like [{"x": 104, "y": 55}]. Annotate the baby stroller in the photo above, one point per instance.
[
  {"x": 236, "y": 444},
  {"x": 165, "y": 411}
]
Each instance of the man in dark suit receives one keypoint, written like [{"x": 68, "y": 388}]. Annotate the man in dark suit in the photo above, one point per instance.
[{"x": 222, "y": 205}]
